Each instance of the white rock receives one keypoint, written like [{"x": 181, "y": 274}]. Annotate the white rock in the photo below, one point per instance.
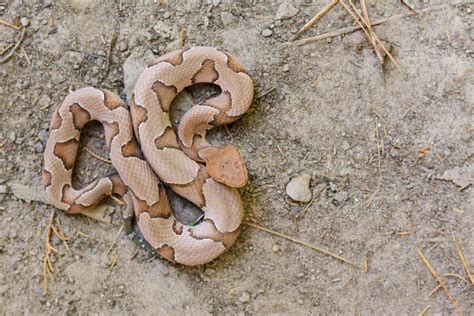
[
  {"x": 267, "y": 33},
  {"x": 133, "y": 67},
  {"x": 285, "y": 11},
  {"x": 244, "y": 297},
  {"x": 3, "y": 189},
  {"x": 298, "y": 188},
  {"x": 24, "y": 22}
]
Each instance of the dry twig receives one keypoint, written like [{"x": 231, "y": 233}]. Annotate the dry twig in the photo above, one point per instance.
[
  {"x": 6, "y": 49},
  {"x": 182, "y": 37},
  {"x": 306, "y": 208},
  {"x": 9, "y": 25},
  {"x": 425, "y": 310},
  {"x": 26, "y": 56},
  {"x": 316, "y": 18},
  {"x": 10, "y": 54},
  {"x": 372, "y": 38},
  {"x": 463, "y": 260},
  {"x": 264, "y": 93},
  {"x": 113, "y": 263},
  {"x": 115, "y": 240},
  {"x": 93, "y": 154},
  {"x": 379, "y": 147},
  {"x": 440, "y": 281},
  {"x": 48, "y": 268},
  {"x": 433, "y": 291},
  {"x": 327, "y": 253},
  {"x": 371, "y": 198},
  {"x": 350, "y": 29},
  {"x": 113, "y": 40}
]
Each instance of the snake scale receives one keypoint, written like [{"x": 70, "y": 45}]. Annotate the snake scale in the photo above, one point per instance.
[{"x": 150, "y": 158}]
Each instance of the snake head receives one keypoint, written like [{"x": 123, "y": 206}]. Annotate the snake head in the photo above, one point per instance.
[{"x": 225, "y": 165}]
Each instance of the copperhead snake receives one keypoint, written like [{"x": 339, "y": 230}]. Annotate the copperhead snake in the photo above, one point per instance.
[{"x": 150, "y": 158}]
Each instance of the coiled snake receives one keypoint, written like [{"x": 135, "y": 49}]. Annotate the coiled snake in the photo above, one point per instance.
[{"x": 150, "y": 158}]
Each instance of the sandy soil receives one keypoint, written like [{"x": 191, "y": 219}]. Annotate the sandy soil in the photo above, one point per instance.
[{"x": 330, "y": 114}]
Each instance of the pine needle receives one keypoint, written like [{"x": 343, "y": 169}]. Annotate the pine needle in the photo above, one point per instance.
[
  {"x": 463, "y": 260},
  {"x": 327, "y": 253},
  {"x": 440, "y": 281}
]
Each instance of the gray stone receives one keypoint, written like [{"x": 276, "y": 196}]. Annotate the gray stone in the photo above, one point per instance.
[
  {"x": 298, "y": 188},
  {"x": 43, "y": 136},
  {"x": 286, "y": 10},
  {"x": 267, "y": 33},
  {"x": 39, "y": 147}
]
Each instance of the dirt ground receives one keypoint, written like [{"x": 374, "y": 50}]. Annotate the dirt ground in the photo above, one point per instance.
[{"x": 328, "y": 113}]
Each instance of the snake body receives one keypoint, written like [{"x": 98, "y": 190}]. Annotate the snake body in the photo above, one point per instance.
[{"x": 150, "y": 158}]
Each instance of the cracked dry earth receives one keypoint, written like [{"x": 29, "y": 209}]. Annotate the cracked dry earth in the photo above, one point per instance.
[{"x": 330, "y": 115}]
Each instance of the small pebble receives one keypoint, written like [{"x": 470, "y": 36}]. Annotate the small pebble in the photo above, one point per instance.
[
  {"x": 43, "y": 136},
  {"x": 39, "y": 147},
  {"x": 298, "y": 188},
  {"x": 12, "y": 136},
  {"x": 276, "y": 248},
  {"x": 286, "y": 68},
  {"x": 3, "y": 189},
  {"x": 244, "y": 297},
  {"x": 394, "y": 152},
  {"x": 24, "y": 22},
  {"x": 167, "y": 15},
  {"x": 55, "y": 240},
  {"x": 267, "y": 33}
]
